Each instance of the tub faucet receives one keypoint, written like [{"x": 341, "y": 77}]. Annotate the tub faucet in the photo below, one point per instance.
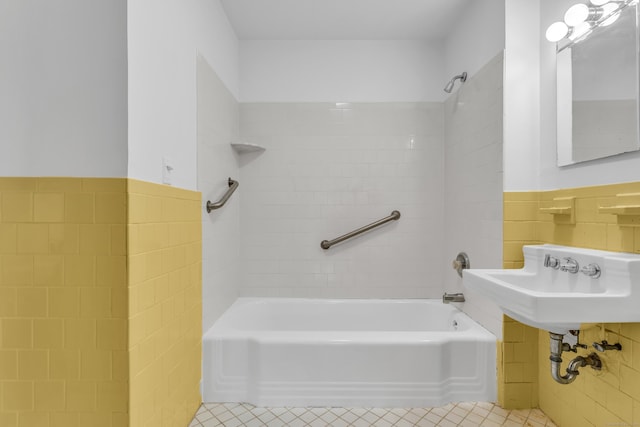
[{"x": 447, "y": 298}]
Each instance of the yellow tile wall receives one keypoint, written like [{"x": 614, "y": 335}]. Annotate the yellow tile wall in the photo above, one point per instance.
[
  {"x": 518, "y": 365},
  {"x": 165, "y": 304},
  {"x": 63, "y": 292},
  {"x": 611, "y": 396},
  {"x": 99, "y": 316}
]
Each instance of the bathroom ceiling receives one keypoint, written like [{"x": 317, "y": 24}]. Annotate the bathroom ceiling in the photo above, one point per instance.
[{"x": 342, "y": 19}]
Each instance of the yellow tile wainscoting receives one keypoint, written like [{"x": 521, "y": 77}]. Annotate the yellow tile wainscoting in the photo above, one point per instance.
[
  {"x": 600, "y": 221},
  {"x": 100, "y": 305}
]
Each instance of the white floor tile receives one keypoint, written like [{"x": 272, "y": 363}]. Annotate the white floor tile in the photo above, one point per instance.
[
  {"x": 338, "y": 411},
  {"x": 255, "y": 423},
  {"x": 328, "y": 417},
  {"x": 382, "y": 423},
  {"x": 434, "y": 418},
  {"x": 204, "y": 416},
  {"x": 211, "y": 423},
  {"x": 349, "y": 417},
  {"x": 399, "y": 411},
  {"x": 404, "y": 423},
  {"x": 339, "y": 423},
  {"x": 426, "y": 423},
  {"x": 469, "y": 423},
  {"x": 464, "y": 414},
  {"x": 441, "y": 412},
  {"x": 287, "y": 417},
  {"x": 477, "y": 419},
  {"x": 447, "y": 423},
  {"x": 490, "y": 423},
  {"x": 361, "y": 423},
  {"x": 297, "y": 411},
  {"x": 391, "y": 417}
]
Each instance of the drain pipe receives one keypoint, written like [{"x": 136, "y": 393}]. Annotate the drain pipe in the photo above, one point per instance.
[
  {"x": 556, "y": 348},
  {"x": 556, "y": 359}
]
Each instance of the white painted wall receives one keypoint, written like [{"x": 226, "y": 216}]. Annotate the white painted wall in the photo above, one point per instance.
[
  {"x": 522, "y": 95},
  {"x": 63, "y": 88},
  {"x": 476, "y": 38},
  {"x": 163, "y": 40},
  {"x": 341, "y": 70}
]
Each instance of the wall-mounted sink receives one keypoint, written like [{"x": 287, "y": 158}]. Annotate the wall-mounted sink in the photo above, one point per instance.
[{"x": 561, "y": 287}]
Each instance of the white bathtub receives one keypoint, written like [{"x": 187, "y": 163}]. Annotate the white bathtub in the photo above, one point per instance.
[{"x": 373, "y": 353}]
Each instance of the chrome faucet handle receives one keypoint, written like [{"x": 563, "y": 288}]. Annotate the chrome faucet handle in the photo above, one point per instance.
[
  {"x": 461, "y": 262},
  {"x": 604, "y": 346},
  {"x": 569, "y": 265},
  {"x": 551, "y": 261},
  {"x": 591, "y": 270}
]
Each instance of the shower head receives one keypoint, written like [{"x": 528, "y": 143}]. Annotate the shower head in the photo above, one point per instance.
[{"x": 449, "y": 87}]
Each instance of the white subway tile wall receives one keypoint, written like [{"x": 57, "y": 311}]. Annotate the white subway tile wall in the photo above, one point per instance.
[
  {"x": 328, "y": 169},
  {"x": 473, "y": 184},
  {"x": 218, "y": 125}
]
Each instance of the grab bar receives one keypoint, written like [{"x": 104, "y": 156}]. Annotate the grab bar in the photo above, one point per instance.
[
  {"x": 220, "y": 203},
  {"x": 326, "y": 244}
]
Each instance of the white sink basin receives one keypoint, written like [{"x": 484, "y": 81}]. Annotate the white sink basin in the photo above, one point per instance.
[{"x": 558, "y": 301}]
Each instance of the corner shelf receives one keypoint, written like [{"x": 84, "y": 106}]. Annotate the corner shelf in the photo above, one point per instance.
[
  {"x": 246, "y": 147},
  {"x": 562, "y": 209}
]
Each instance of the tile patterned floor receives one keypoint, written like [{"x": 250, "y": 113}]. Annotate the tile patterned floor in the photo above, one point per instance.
[{"x": 466, "y": 414}]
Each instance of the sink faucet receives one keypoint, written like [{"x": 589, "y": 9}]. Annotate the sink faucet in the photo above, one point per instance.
[
  {"x": 447, "y": 298},
  {"x": 551, "y": 261},
  {"x": 570, "y": 265}
]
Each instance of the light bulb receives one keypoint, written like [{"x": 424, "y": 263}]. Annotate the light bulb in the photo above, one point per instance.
[
  {"x": 580, "y": 31},
  {"x": 557, "y": 31},
  {"x": 599, "y": 2},
  {"x": 576, "y": 14}
]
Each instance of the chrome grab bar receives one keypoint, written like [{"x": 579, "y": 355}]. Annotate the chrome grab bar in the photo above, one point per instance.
[
  {"x": 326, "y": 244},
  {"x": 220, "y": 203}
]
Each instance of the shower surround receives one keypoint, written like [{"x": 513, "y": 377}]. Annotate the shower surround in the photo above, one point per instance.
[{"x": 330, "y": 168}]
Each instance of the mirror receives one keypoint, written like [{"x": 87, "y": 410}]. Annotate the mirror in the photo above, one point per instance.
[{"x": 597, "y": 83}]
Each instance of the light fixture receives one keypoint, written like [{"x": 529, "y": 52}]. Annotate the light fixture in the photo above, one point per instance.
[
  {"x": 581, "y": 19},
  {"x": 577, "y": 14},
  {"x": 580, "y": 31},
  {"x": 557, "y": 31}
]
